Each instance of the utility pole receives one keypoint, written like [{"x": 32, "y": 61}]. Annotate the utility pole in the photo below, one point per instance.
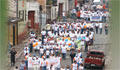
[
  {"x": 40, "y": 11},
  {"x": 17, "y": 18}
]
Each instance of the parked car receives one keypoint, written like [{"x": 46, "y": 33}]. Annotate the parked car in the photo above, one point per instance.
[{"x": 95, "y": 59}]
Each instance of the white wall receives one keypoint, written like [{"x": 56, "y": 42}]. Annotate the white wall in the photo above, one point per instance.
[
  {"x": 33, "y": 6},
  {"x": 11, "y": 8}
]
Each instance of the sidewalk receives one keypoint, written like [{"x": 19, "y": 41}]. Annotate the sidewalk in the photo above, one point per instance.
[{"x": 19, "y": 48}]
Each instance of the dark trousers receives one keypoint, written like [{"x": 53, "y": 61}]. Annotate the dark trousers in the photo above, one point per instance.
[
  {"x": 12, "y": 61},
  {"x": 55, "y": 32},
  {"x": 91, "y": 29},
  {"x": 100, "y": 30},
  {"x": 96, "y": 30},
  {"x": 44, "y": 68},
  {"x": 31, "y": 48},
  {"x": 26, "y": 63},
  {"x": 71, "y": 60},
  {"x": 64, "y": 56},
  {"x": 43, "y": 39},
  {"x": 58, "y": 68},
  {"x": 47, "y": 56},
  {"x": 104, "y": 19},
  {"x": 56, "y": 53},
  {"x": 82, "y": 30},
  {"x": 86, "y": 46},
  {"x": 106, "y": 31}
]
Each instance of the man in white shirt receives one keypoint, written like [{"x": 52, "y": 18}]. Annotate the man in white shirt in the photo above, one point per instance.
[
  {"x": 47, "y": 53},
  {"x": 97, "y": 26},
  {"x": 36, "y": 63},
  {"x": 91, "y": 38},
  {"x": 100, "y": 27},
  {"x": 56, "y": 28},
  {"x": 87, "y": 43},
  {"x": 43, "y": 35},
  {"x": 82, "y": 28},
  {"x": 41, "y": 51},
  {"x": 44, "y": 64},
  {"x": 64, "y": 51}
]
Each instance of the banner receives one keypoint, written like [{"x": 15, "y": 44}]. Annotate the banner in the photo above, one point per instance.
[
  {"x": 96, "y": 18},
  {"x": 51, "y": 61}
]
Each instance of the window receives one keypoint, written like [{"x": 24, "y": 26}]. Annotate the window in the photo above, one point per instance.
[
  {"x": 54, "y": 2},
  {"x": 96, "y": 53}
]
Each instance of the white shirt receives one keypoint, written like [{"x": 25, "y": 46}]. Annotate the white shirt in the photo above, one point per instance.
[
  {"x": 47, "y": 52},
  {"x": 44, "y": 62},
  {"x": 36, "y": 62},
  {"x": 100, "y": 25},
  {"x": 56, "y": 28},
  {"x": 43, "y": 32},
  {"x": 32, "y": 35},
  {"x": 97, "y": 25},
  {"x": 63, "y": 13},
  {"x": 79, "y": 54},
  {"x": 87, "y": 39},
  {"x": 82, "y": 26},
  {"x": 81, "y": 67},
  {"x": 64, "y": 49},
  {"x": 92, "y": 25},
  {"x": 39, "y": 44},
  {"x": 80, "y": 60},
  {"x": 41, "y": 50},
  {"x": 52, "y": 52},
  {"x": 74, "y": 66}
]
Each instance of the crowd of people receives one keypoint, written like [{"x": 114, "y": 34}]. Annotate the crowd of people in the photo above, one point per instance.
[{"x": 75, "y": 37}]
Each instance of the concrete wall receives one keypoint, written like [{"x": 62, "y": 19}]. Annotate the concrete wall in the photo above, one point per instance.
[
  {"x": 21, "y": 24},
  {"x": 34, "y": 6},
  {"x": 11, "y": 8}
]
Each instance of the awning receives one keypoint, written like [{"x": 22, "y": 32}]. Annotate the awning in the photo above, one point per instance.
[{"x": 13, "y": 19}]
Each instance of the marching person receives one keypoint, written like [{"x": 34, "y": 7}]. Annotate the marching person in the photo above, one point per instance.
[
  {"x": 97, "y": 26},
  {"x": 64, "y": 16},
  {"x": 43, "y": 33},
  {"x": 81, "y": 67},
  {"x": 106, "y": 29},
  {"x": 64, "y": 51},
  {"x": 12, "y": 56},
  {"x": 44, "y": 64},
  {"x": 87, "y": 43},
  {"x": 22, "y": 66},
  {"x": 41, "y": 51},
  {"x": 100, "y": 27},
  {"x": 47, "y": 53},
  {"x": 74, "y": 66},
  {"x": 72, "y": 55}
]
